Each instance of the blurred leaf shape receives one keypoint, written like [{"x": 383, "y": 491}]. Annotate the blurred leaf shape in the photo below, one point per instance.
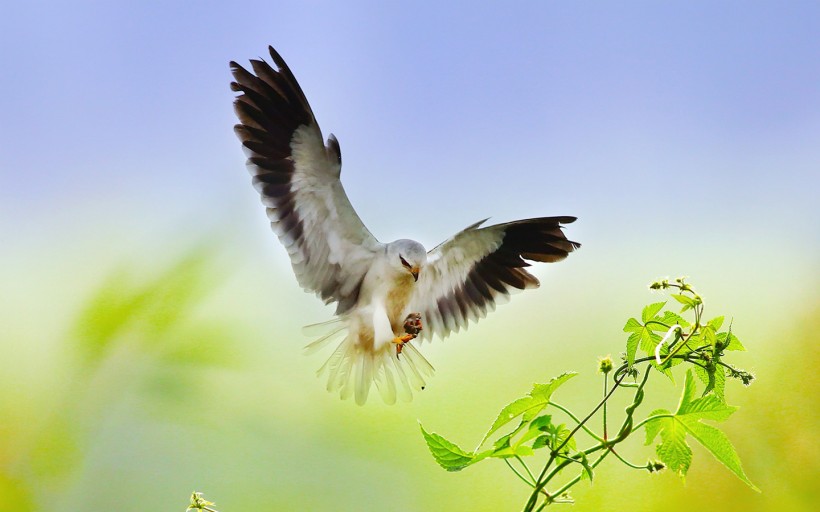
[
  {"x": 151, "y": 308},
  {"x": 147, "y": 337}
]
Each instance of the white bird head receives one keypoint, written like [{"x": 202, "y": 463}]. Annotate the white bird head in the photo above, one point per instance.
[{"x": 407, "y": 256}]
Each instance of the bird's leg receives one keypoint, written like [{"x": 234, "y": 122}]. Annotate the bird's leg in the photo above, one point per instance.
[
  {"x": 412, "y": 326},
  {"x": 400, "y": 341}
]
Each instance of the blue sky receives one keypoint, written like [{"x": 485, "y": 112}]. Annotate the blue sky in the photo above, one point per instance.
[{"x": 120, "y": 114}]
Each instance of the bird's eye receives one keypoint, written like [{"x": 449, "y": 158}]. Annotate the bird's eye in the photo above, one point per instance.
[{"x": 404, "y": 262}]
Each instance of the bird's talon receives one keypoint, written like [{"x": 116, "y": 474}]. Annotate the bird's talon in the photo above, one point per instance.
[{"x": 401, "y": 340}]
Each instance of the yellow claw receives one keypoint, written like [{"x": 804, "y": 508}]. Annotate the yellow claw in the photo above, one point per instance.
[{"x": 401, "y": 340}]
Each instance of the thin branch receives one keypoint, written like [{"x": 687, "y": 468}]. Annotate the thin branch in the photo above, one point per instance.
[
  {"x": 606, "y": 382},
  {"x": 630, "y": 464},
  {"x": 526, "y": 468},
  {"x": 575, "y": 418},
  {"x": 519, "y": 475},
  {"x": 540, "y": 482},
  {"x": 651, "y": 418},
  {"x": 575, "y": 480}
]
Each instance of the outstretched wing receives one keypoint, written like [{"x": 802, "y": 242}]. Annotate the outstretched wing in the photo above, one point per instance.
[
  {"x": 466, "y": 275},
  {"x": 297, "y": 176}
]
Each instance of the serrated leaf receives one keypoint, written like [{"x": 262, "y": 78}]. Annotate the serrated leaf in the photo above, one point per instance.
[
  {"x": 503, "y": 442},
  {"x": 512, "y": 451},
  {"x": 671, "y": 318},
  {"x": 536, "y": 427},
  {"x": 633, "y": 325},
  {"x": 649, "y": 340},
  {"x": 587, "y": 467},
  {"x": 654, "y": 427},
  {"x": 719, "y": 445},
  {"x": 637, "y": 329},
  {"x": 715, "y": 323},
  {"x": 673, "y": 449},
  {"x": 707, "y": 407},
  {"x": 688, "y": 392},
  {"x": 708, "y": 335},
  {"x": 449, "y": 455},
  {"x": 541, "y": 441},
  {"x": 688, "y": 302},
  {"x": 715, "y": 383},
  {"x": 541, "y": 423},
  {"x": 651, "y": 310},
  {"x": 561, "y": 435},
  {"x": 529, "y": 406},
  {"x": 632, "y": 347},
  {"x": 734, "y": 343}
]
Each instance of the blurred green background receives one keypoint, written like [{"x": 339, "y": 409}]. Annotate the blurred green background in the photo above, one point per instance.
[{"x": 150, "y": 324}]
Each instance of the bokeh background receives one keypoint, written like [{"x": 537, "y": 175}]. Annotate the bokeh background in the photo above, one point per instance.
[{"x": 149, "y": 322}]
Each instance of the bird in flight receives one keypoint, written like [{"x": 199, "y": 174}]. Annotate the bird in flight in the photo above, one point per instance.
[{"x": 387, "y": 294}]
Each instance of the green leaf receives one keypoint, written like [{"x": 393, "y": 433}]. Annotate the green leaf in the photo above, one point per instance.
[
  {"x": 673, "y": 449},
  {"x": 512, "y": 451},
  {"x": 559, "y": 434},
  {"x": 651, "y": 310},
  {"x": 449, "y": 455},
  {"x": 719, "y": 445},
  {"x": 529, "y": 406},
  {"x": 632, "y": 347},
  {"x": 151, "y": 307},
  {"x": 503, "y": 442},
  {"x": 707, "y": 407},
  {"x": 688, "y": 302},
  {"x": 541, "y": 423},
  {"x": 669, "y": 318},
  {"x": 584, "y": 461},
  {"x": 654, "y": 427},
  {"x": 634, "y": 339},
  {"x": 708, "y": 335},
  {"x": 715, "y": 383},
  {"x": 649, "y": 340},
  {"x": 715, "y": 323},
  {"x": 733, "y": 344},
  {"x": 536, "y": 427},
  {"x": 633, "y": 325},
  {"x": 642, "y": 335},
  {"x": 541, "y": 441}
]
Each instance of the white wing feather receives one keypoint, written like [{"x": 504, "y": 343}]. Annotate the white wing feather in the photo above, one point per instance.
[{"x": 297, "y": 176}]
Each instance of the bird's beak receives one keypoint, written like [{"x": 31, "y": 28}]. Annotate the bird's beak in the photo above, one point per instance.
[{"x": 415, "y": 272}]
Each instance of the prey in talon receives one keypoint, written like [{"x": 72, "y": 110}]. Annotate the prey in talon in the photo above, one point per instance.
[{"x": 412, "y": 326}]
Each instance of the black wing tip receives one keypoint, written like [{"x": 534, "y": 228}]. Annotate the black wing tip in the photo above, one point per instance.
[
  {"x": 560, "y": 219},
  {"x": 270, "y": 99},
  {"x": 276, "y": 57}
]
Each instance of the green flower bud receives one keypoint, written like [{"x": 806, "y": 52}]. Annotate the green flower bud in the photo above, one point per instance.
[{"x": 605, "y": 364}]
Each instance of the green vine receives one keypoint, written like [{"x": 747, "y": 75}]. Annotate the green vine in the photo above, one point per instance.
[{"x": 668, "y": 340}]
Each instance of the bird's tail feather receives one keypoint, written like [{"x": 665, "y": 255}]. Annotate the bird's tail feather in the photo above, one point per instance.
[
  {"x": 323, "y": 328},
  {"x": 352, "y": 369},
  {"x": 325, "y": 339}
]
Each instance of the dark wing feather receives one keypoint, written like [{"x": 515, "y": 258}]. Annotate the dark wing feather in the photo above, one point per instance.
[
  {"x": 297, "y": 177},
  {"x": 467, "y": 275}
]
